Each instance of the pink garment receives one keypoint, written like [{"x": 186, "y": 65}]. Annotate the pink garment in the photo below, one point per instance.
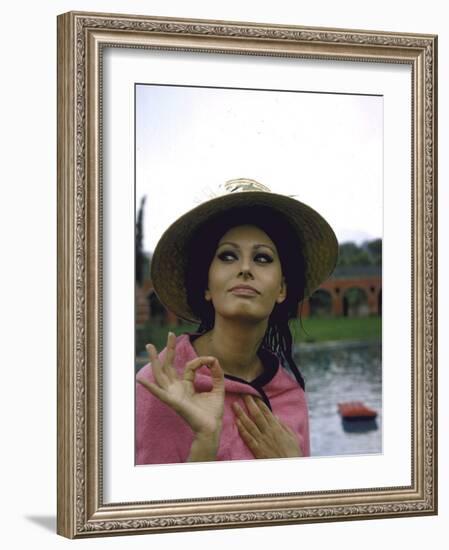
[{"x": 163, "y": 437}]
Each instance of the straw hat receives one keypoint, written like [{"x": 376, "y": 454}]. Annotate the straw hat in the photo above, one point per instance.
[{"x": 318, "y": 242}]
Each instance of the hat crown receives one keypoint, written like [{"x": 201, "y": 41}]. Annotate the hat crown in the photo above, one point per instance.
[{"x": 244, "y": 185}]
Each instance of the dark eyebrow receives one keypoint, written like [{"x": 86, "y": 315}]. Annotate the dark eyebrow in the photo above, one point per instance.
[{"x": 255, "y": 247}]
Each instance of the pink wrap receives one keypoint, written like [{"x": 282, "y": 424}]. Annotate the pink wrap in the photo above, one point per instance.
[{"x": 163, "y": 437}]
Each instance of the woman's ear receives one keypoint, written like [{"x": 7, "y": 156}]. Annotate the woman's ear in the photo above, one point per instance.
[
  {"x": 207, "y": 295},
  {"x": 283, "y": 292}
]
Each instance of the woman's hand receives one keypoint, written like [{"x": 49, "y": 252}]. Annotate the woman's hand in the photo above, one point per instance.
[
  {"x": 203, "y": 411},
  {"x": 264, "y": 434}
]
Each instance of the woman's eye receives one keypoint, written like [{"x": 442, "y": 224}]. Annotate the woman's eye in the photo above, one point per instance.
[
  {"x": 264, "y": 258},
  {"x": 226, "y": 255}
]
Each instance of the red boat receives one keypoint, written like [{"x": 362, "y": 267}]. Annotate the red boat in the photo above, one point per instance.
[{"x": 356, "y": 410}]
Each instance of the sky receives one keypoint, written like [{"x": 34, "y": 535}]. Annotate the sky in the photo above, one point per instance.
[{"x": 325, "y": 149}]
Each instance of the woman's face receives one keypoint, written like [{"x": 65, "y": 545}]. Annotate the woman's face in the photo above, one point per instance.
[{"x": 245, "y": 276}]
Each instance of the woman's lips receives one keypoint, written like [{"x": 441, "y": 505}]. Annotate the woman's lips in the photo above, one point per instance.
[{"x": 244, "y": 291}]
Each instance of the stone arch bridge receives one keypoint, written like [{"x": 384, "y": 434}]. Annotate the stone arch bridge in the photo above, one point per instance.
[{"x": 345, "y": 296}]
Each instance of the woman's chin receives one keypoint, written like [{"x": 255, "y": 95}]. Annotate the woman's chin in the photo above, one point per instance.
[{"x": 244, "y": 315}]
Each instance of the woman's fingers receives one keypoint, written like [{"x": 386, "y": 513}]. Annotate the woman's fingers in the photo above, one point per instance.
[
  {"x": 169, "y": 360},
  {"x": 171, "y": 344},
  {"x": 218, "y": 383},
  {"x": 268, "y": 414},
  {"x": 247, "y": 436},
  {"x": 256, "y": 412},
  {"x": 245, "y": 421},
  {"x": 287, "y": 428},
  {"x": 159, "y": 375},
  {"x": 194, "y": 364}
]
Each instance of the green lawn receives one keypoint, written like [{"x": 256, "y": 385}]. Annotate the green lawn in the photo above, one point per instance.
[
  {"x": 312, "y": 330},
  {"x": 338, "y": 328}
]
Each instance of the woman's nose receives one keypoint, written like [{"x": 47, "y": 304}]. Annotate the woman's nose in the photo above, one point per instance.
[{"x": 245, "y": 267}]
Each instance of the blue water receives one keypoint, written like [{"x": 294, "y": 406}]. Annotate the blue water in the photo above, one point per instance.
[{"x": 352, "y": 373}]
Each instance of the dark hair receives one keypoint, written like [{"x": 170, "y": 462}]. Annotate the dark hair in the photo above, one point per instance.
[{"x": 278, "y": 338}]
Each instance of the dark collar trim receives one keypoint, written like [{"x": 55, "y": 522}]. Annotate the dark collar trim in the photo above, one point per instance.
[{"x": 270, "y": 367}]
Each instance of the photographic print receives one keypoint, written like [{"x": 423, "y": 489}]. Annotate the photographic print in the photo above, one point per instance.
[
  {"x": 194, "y": 144},
  {"x": 246, "y": 274}
]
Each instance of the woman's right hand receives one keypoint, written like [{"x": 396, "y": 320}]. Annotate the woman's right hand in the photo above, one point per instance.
[{"x": 203, "y": 411}]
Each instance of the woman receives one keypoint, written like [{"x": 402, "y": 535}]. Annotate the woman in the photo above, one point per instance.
[{"x": 239, "y": 264}]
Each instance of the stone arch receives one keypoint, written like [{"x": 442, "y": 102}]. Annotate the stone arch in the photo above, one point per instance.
[
  {"x": 320, "y": 303},
  {"x": 355, "y": 302}
]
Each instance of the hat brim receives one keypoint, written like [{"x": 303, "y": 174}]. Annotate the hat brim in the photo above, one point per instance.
[{"x": 318, "y": 243}]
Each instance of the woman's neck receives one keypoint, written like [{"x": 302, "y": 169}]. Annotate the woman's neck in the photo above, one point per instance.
[{"x": 235, "y": 346}]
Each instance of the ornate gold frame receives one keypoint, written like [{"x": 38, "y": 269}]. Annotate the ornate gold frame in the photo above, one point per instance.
[{"x": 81, "y": 511}]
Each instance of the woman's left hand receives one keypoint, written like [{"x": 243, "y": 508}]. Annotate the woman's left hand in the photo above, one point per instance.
[{"x": 264, "y": 434}]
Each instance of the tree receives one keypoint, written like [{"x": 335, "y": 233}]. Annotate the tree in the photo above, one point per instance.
[
  {"x": 375, "y": 250},
  {"x": 140, "y": 259},
  {"x": 369, "y": 253}
]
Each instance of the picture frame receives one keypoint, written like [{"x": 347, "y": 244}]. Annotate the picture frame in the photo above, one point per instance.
[{"x": 84, "y": 471}]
